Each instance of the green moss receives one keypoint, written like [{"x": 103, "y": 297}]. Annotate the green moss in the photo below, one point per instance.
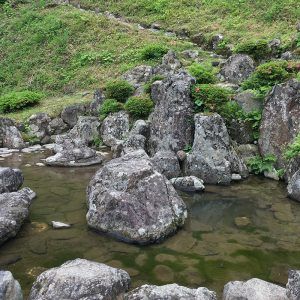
[
  {"x": 139, "y": 107},
  {"x": 119, "y": 90},
  {"x": 258, "y": 49}
]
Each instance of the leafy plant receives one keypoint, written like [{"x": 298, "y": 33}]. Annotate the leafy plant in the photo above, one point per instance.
[
  {"x": 119, "y": 90},
  {"x": 187, "y": 148},
  {"x": 97, "y": 141},
  {"x": 258, "y": 165},
  {"x": 139, "y": 107},
  {"x": 18, "y": 100},
  {"x": 202, "y": 74},
  {"x": 109, "y": 106},
  {"x": 255, "y": 118},
  {"x": 293, "y": 149},
  {"x": 258, "y": 49},
  {"x": 153, "y": 51}
]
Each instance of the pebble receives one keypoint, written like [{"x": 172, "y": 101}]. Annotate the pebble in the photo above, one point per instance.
[{"x": 59, "y": 225}]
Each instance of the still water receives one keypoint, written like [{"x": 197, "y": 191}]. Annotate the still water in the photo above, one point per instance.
[{"x": 211, "y": 249}]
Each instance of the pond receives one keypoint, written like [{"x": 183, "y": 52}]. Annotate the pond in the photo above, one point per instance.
[{"x": 214, "y": 247}]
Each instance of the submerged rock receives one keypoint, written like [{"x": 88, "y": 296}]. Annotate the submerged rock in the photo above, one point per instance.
[
  {"x": 14, "y": 209},
  {"x": 128, "y": 199},
  {"x": 293, "y": 285},
  {"x": 72, "y": 152},
  {"x": 294, "y": 186},
  {"x": 253, "y": 289},
  {"x": 170, "y": 292},
  {"x": 10, "y": 180},
  {"x": 10, "y": 288},
  {"x": 213, "y": 158},
  {"x": 80, "y": 279},
  {"x": 188, "y": 184}
]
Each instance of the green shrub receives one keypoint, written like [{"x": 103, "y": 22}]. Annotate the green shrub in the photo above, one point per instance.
[
  {"x": 119, "y": 90},
  {"x": 231, "y": 110},
  {"x": 208, "y": 97},
  {"x": 202, "y": 74},
  {"x": 258, "y": 165},
  {"x": 254, "y": 118},
  {"x": 139, "y": 107},
  {"x": 258, "y": 49},
  {"x": 153, "y": 51},
  {"x": 147, "y": 86},
  {"x": 110, "y": 106},
  {"x": 293, "y": 149},
  {"x": 18, "y": 100}
]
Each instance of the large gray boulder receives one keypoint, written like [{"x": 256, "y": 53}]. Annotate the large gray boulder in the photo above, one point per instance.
[
  {"x": 237, "y": 68},
  {"x": 188, "y": 184},
  {"x": 71, "y": 113},
  {"x": 58, "y": 126},
  {"x": 39, "y": 127},
  {"x": 96, "y": 103},
  {"x": 80, "y": 279},
  {"x": 170, "y": 292},
  {"x": 213, "y": 158},
  {"x": 73, "y": 152},
  {"x": 14, "y": 209},
  {"x": 280, "y": 120},
  {"x": 128, "y": 199},
  {"x": 10, "y": 288},
  {"x": 171, "y": 128},
  {"x": 10, "y": 136},
  {"x": 87, "y": 129},
  {"x": 139, "y": 75},
  {"x": 293, "y": 285},
  {"x": 169, "y": 65},
  {"x": 10, "y": 180},
  {"x": 253, "y": 289},
  {"x": 248, "y": 101},
  {"x": 294, "y": 186}
]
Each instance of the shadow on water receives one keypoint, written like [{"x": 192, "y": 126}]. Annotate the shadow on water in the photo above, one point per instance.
[{"x": 212, "y": 248}]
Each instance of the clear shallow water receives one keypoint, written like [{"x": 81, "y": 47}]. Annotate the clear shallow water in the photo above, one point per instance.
[{"x": 209, "y": 251}]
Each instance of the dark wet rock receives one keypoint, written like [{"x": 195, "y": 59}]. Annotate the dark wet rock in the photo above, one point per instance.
[
  {"x": 10, "y": 136},
  {"x": 294, "y": 186},
  {"x": 188, "y": 184},
  {"x": 14, "y": 209},
  {"x": 10, "y": 288},
  {"x": 128, "y": 199},
  {"x": 241, "y": 131},
  {"x": 237, "y": 68},
  {"x": 253, "y": 289},
  {"x": 80, "y": 279},
  {"x": 166, "y": 163},
  {"x": 213, "y": 158},
  {"x": 72, "y": 152},
  {"x": 58, "y": 126},
  {"x": 39, "y": 127},
  {"x": 10, "y": 180},
  {"x": 170, "y": 292},
  {"x": 170, "y": 64},
  {"x": 248, "y": 101},
  {"x": 280, "y": 120},
  {"x": 171, "y": 121},
  {"x": 139, "y": 75},
  {"x": 96, "y": 103},
  {"x": 198, "y": 39},
  {"x": 71, "y": 113},
  {"x": 293, "y": 285},
  {"x": 115, "y": 128},
  {"x": 87, "y": 129}
]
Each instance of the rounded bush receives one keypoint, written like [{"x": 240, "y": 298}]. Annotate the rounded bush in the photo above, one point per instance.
[
  {"x": 201, "y": 74},
  {"x": 110, "y": 106},
  {"x": 258, "y": 49},
  {"x": 153, "y": 51},
  {"x": 18, "y": 100},
  {"x": 139, "y": 107},
  {"x": 119, "y": 90}
]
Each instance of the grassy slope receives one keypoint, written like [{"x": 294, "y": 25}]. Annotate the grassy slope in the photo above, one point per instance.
[{"x": 238, "y": 20}]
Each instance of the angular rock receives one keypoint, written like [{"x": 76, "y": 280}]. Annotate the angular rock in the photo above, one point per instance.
[
  {"x": 10, "y": 288},
  {"x": 198, "y": 39},
  {"x": 10, "y": 136},
  {"x": 58, "y": 126},
  {"x": 190, "y": 54},
  {"x": 133, "y": 142},
  {"x": 10, "y": 180},
  {"x": 71, "y": 113},
  {"x": 115, "y": 128},
  {"x": 247, "y": 151},
  {"x": 293, "y": 285},
  {"x": 294, "y": 186},
  {"x": 139, "y": 75},
  {"x": 170, "y": 64},
  {"x": 241, "y": 131},
  {"x": 72, "y": 152},
  {"x": 14, "y": 209},
  {"x": 213, "y": 158},
  {"x": 96, "y": 103},
  {"x": 215, "y": 41},
  {"x": 170, "y": 292},
  {"x": 80, "y": 279},
  {"x": 253, "y": 289},
  {"x": 141, "y": 127},
  {"x": 188, "y": 184},
  {"x": 171, "y": 127},
  {"x": 166, "y": 163},
  {"x": 128, "y": 199},
  {"x": 280, "y": 120},
  {"x": 39, "y": 127},
  {"x": 237, "y": 68},
  {"x": 248, "y": 101},
  {"x": 87, "y": 129}
]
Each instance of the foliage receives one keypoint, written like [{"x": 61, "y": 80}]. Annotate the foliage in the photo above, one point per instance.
[
  {"x": 147, "y": 86},
  {"x": 231, "y": 110},
  {"x": 109, "y": 106},
  {"x": 258, "y": 49},
  {"x": 119, "y": 90},
  {"x": 293, "y": 149},
  {"x": 153, "y": 51},
  {"x": 201, "y": 74},
  {"x": 258, "y": 165},
  {"x": 97, "y": 141},
  {"x": 18, "y": 100},
  {"x": 187, "y": 149},
  {"x": 139, "y": 107},
  {"x": 254, "y": 118}
]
